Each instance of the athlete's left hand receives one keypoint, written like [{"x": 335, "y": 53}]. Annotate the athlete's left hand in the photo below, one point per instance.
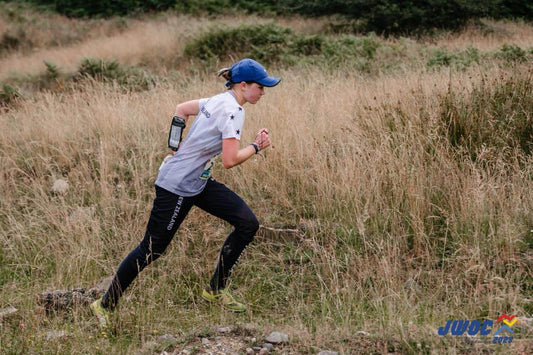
[{"x": 262, "y": 139}]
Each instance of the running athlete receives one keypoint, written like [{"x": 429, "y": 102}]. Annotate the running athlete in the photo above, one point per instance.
[{"x": 185, "y": 181}]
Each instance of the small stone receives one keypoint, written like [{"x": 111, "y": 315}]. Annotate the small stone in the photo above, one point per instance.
[
  {"x": 268, "y": 346},
  {"x": 277, "y": 338},
  {"x": 362, "y": 333},
  {"x": 253, "y": 340},
  {"x": 168, "y": 340},
  {"x": 224, "y": 329},
  {"x": 256, "y": 348},
  {"x": 250, "y": 351},
  {"x": 55, "y": 334},
  {"x": 328, "y": 352},
  {"x": 8, "y": 312},
  {"x": 60, "y": 186},
  {"x": 64, "y": 299},
  {"x": 205, "y": 341},
  {"x": 264, "y": 351}
]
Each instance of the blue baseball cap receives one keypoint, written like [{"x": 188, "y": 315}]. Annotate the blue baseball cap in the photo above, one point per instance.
[{"x": 249, "y": 70}]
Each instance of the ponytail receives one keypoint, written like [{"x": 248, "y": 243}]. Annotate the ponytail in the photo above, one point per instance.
[{"x": 226, "y": 74}]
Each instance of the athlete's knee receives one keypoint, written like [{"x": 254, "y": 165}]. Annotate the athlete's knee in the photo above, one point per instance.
[
  {"x": 249, "y": 226},
  {"x": 254, "y": 224},
  {"x": 153, "y": 246}
]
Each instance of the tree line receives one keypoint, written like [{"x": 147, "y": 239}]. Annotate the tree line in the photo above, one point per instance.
[{"x": 380, "y": 16}]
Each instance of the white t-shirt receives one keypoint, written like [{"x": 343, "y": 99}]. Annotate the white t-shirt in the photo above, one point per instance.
[{"x": 187, "y": 172}]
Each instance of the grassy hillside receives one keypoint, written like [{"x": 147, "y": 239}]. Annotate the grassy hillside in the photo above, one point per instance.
[{"x": 397, "y": 194}]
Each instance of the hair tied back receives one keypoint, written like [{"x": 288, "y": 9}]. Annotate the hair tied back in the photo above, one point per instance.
[{"x": 225, "y": 73}]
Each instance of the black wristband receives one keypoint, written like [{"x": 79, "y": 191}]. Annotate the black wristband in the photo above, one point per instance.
[{"x": 255, "y": 147}]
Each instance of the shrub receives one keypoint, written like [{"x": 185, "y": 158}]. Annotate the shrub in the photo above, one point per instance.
[
  {"x": 266, "y": 43},
  {"x": 273, "y": 44},
  {"x": 8, "y": 96},
  {"x": 349, "y": 48},
  {"x": 512, "y": 53},
  {"x": 14, "y": 40},
  {"x": 111, "y": 71},
  {"x": 9, "y": 42},
  {"x": 460, "y": 60},
  {"x": 100, "y": 69},
  {"x": 441, "y": 57},
  {"x": 52, "y": 70}
]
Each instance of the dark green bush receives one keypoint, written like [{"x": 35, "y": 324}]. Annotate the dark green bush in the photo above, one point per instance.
[
  {"x": 8, "y": 96},
  {"x": 111, "y": 71},
  {"x": 198, "y": 7},
  {"x": 441, "y": 57},
  {"x": 512, "y": 53},
  {"x": 105, "y": 8},
  {"x": 460, "y": 60},
  {"x": 14, "y": 40},
  {"x": 349, "y": 48},
  {"x": 266, "y": 43},
  {"x": 496, "y": 119},
  {"x": 52, "y": 70},
  {"x": 511, "y": 9},
  {"x": 9, "y": 41},
  {"x": 271, "y": 43},
  {"x": 100, "y": 69}
]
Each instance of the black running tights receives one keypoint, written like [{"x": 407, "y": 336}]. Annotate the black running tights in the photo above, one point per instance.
[{"x": 168, "y": 211}]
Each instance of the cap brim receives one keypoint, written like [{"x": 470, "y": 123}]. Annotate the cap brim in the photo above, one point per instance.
[{"x": 269, "y": 81}]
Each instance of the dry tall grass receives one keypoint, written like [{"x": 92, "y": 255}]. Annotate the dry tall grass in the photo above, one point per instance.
[
  {"x": 139, "y": 42},
  {"x": 491, "y": 37},
  {"x": 399, "y": 232}
]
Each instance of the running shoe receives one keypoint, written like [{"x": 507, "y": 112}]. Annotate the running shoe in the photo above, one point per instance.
[
  {"x": 101, "y": 313},
  {"x": 224, "y": 299}
]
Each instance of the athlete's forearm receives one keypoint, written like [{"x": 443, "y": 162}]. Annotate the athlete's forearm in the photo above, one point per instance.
[
  {"x": 229, "y": 161},
  {"x": 186, "y": 109}
]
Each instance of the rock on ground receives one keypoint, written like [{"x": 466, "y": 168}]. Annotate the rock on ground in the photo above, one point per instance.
[
  {"x": 60, "y": 186},
  {"x": 8, "y": 312},
  {"x": 277, "y": 338}
]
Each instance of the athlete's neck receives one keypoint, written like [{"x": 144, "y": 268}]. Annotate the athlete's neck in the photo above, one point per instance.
[{"x": 238, "y": 96}]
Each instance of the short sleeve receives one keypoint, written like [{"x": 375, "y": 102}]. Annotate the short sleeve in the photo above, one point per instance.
[
  {"x": 231, "y": 125},
  {"x": 201, "y": 103}
]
